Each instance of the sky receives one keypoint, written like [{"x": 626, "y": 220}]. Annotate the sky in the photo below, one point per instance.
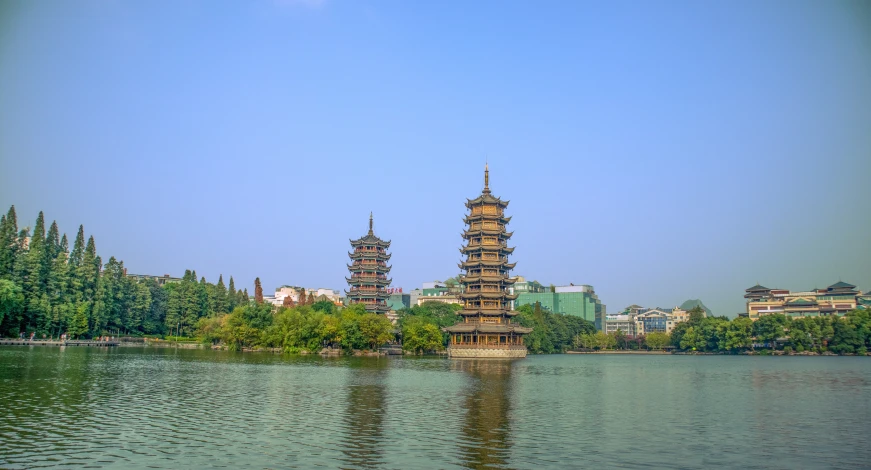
[{"x": 659, "y": 151}]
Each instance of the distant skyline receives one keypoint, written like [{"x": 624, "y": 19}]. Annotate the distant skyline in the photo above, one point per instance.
[{"x": 659, "y": 151}]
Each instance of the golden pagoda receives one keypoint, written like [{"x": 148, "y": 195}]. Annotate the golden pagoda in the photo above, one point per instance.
[{"x": 487, "y": 329}]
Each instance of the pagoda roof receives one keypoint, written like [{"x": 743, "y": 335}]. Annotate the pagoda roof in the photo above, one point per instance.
[
  {"x": 486, "y": 198},
  {"x": 488, "y": 295},
  {"x": 801, "y": 301},
  {"x": 370, "y": 255},
  {"x": 486, "y": 328},
  {"x": 486, "y": 262},
  {"x": 506, "y": 249},
  {"x": 473, "y": 217},
  {"x": 370, "y": 238},
  {"x": 841, "y": 285},
  {"x": 757, "y": 287}
]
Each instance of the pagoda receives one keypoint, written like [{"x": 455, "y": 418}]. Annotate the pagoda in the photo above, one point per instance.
[
  {"x": 487, "y": 328},
  {"x": 369, "y": 269}
]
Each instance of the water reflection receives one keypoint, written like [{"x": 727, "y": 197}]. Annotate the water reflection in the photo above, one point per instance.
[
  {"x": 365, "y": 412},
  {"x": 486, "y": 429}
]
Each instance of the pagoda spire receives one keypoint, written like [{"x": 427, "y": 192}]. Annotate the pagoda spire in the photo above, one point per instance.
[
  {"x": 370, "y": 224},
  {"x": 486, "y": 179}
]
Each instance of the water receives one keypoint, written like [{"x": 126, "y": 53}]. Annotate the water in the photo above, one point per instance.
[{"x": 147, "y": 408}]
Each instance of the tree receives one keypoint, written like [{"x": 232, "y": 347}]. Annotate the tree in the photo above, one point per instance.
[
  {"x": 218, "y": 297},
  {"x": 302, "y": 298},
  {"x": 258, "y": 291},
  {"x": 420, "y": 335},
  {"x": 8, "y": 243},
  {"x": 604, "y": 340},
  {"x": 738, "y": 334},
  {"x": 375, "y": 329},
  {"x": 770, "y": 328},
  {"x": 11, "y": 305},
  {"x": 287, "y": 302},
  {"x": 696, "y": 314},
  {"x": 658, "y": 340},
  {"x": 231, "y": 296},
  {"x": 693, "y": 339}
]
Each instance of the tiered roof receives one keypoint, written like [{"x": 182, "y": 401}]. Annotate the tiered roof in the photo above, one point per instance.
[
  {"x": 369, "y": 271},
  {"x": 486, "y": 266}
]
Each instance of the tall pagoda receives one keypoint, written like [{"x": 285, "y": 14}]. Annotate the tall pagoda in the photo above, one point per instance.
[
  {"x": 487, "y": 329},
  {"x": 369, "y": 269}
]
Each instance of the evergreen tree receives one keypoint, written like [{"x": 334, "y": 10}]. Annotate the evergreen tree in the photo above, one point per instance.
[
  {"x": 258, "y": 291},
  {"x": 311, "y": 299},
  {"x": 245, "y": 298},
  {"x": 78, "y": 252},
  {"x": 139, "y": 306},
  {"x": 65, "y": 245},
  {"x": 231, "y": 296},
  {"x": 62, "y": 308},
  {"x": 8, "y": 243},
  {"x": 287, "y": 302},
  {"x": 219, "y": 297},
  {"x": 52, "y": 242},
  {"x": 302, "y": 298},
  {"x": 154, "y": 321}
]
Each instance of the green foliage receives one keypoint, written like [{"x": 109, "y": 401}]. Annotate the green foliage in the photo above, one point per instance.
[
  {"x": 47, "y": 289},
  {"x": 657, "y": 340},
  {"x": 420, "y": 334},
  {"x": 552, "y": 332}
]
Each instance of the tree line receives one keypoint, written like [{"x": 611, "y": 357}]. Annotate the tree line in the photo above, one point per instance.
[
  {"x": 48, "y": 288},
  {"x": 850, "y": 334}
]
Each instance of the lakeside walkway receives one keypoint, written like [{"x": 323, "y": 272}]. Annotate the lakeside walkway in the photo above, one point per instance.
[{"x": 24, "y": 342}]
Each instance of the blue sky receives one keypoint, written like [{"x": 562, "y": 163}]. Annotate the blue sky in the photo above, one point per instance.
[{"x": 659, "y": 151}]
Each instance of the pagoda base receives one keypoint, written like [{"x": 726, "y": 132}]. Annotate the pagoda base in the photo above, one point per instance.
[{"x": 485, "y": 352}]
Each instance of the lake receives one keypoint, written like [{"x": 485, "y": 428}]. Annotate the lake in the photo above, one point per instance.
[{"x": 150, "y": 407}]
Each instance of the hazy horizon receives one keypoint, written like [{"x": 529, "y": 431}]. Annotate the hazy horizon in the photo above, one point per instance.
[{"x": 659, "y": 152}]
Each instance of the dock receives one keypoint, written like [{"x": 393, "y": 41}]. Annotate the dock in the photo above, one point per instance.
[{"x": 87, "y": 343}]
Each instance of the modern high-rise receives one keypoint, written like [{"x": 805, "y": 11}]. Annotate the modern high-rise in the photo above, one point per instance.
[
  {"x": 487, "y": 328},
  {"x": 579, "y": 301}
]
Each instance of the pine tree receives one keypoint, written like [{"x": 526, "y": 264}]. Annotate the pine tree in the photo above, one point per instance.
[
  {"x": 245, "y": 298},
  {"x": 9, "y": 242},
  {"x": 219, "y": 296},
  {"x": 65, "y": 245},
  {"x": 78, "y": 252},
  {"x": 231, "y": 296},
  {"x": 287, "y": 302},
  {"x": 258, "y": 291},
  {"x": 52, "y": 242},
  {"x": 302, "y": 298},
  {"x": 36, "y": 314},
  {"x": 311, "y": 299}
]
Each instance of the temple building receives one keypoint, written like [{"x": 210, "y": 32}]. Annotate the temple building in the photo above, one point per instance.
[
  {"x": 368, "y": 282},
  {"x": 487, "y": 328},
  {"x": 837, "y": 299}
]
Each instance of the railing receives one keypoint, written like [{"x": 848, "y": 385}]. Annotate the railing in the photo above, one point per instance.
[{"x": 487, "y": 346}]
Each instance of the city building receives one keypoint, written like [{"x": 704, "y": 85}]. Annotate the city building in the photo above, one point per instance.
[
  {"x": 639, "y": 321},
  {"x": 658, "y": 320},
  {"x": 161, "y": 280},
  {"x": 837, "y": 299},
  {"x": 580, "y": 301},
  {"x": 398, "y": 301},
  {"x": 369, "y": 271},
  {"x": 295, "y": 292},
  {"x": 487, "y": 329}
]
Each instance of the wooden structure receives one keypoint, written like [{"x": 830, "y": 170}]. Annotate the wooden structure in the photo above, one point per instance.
[
  {"x": 368, "y": 282},
  {"x": 487, "y": 329}
]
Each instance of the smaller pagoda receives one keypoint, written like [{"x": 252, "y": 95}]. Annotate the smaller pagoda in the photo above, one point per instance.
[{"x": 368, "y": 282}]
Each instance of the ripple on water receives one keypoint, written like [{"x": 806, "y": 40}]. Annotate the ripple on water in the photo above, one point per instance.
[{"x": 147, "y": 408}]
